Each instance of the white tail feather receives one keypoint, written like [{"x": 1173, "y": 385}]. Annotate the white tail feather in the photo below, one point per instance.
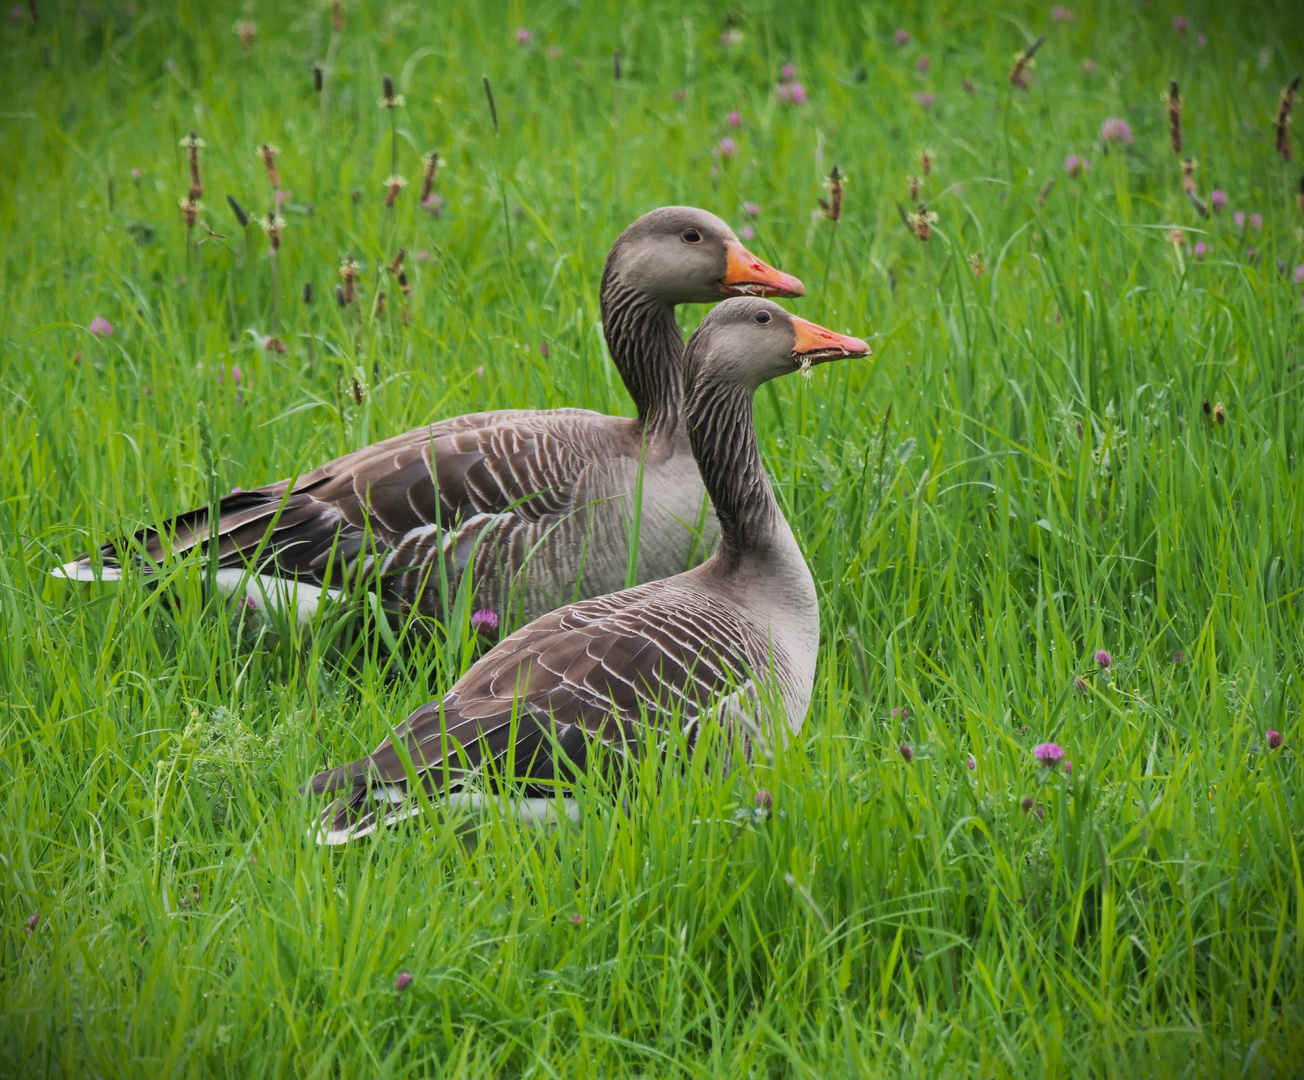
[{"x": 538, "y": 813}]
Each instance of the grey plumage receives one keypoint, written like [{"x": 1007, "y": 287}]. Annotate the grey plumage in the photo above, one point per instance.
[
  {"x": 536, "y": 504},
  {"x": 741, "y": 628}
]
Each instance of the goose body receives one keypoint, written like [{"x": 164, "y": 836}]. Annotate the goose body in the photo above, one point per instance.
[
  {"x": 538, "y": 505},
  {"x": 734, "y": 639}
]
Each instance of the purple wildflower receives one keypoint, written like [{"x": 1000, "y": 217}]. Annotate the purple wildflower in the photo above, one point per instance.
[
  {"x": 751, "y": 209},
  {"x": 788, "y": 71},
  {"x": 1103, "y": 659},
  {"x": 1299, "y": 275},
  {"x": 1181, "y": 24},
  {"x": 727, "y": 147},
  {"x": 1274, "y": 740},
  {"x": 235, "y": 374},
  {"x": 1068, "y": 768},
  {"x": 791, "y": 93},
  {"x": 1026, "y": 804},
  {"x": 1089, "y": 66},
  {"x": 1256, "y": 221},
  {"x": 403, "y": 981},
  {"x": 433, "y": 205},
  {"x": 1062, "y": 14},
  {"x": 764, "y": 800},
  {"x": 33, "y": 921},
  {"x": 423, "y": 255},
  {"x": 554, "y": 52},
  {"x": 680, "y": 94},
  {"x": 1200, "y": 249},
  {"x": 1049, "y": 754},
  {"x": 747, "y": 232},
  {"x": 731, "y": 37},
  {"x": 1116, "y": 129},
  {"x": 577, "y": 918},
  {"x": 923, "y": 63},
  {"x": 1238, "y": 219},
  {"x": 248, "y": 603},
  {"x": 925, "y": 100},
  {"x": 1075, "y": 166},
  {"x": 971, "y": 763},
  {"x": 135, "y": 174},
  {"x": 1251, "y": 253},
  {"x": 901, "y": 37},
  {"x": 735, "y": 119},
  {"x": 101, "y": 327},
  {"x": 485, "y": 617},
  {"x": 903, "y": 712},
  {"x": 1218, "y": 199},
  {"x": 524, "y": 37}
]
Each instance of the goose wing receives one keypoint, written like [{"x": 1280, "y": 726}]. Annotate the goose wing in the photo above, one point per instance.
[
  {"x": 534, "y": 703},
  {"x": 400, "y": 501}
]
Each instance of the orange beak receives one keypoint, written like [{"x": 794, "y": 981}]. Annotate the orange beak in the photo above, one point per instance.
[
  {"x": 820, "y": 345},
  {"x": 746, "y": 275}
]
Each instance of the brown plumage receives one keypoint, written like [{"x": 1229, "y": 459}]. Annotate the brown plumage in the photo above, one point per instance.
[
  {"x": 732, "y": 641},
  {"x": 522, "y": 498}
]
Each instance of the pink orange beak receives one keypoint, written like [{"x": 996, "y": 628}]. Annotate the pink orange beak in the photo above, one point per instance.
[
  {"x": 819, "y": 345},
  {"x": 746, "y": 275}
]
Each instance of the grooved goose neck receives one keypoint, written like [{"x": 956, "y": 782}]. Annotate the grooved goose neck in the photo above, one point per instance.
[
  {"x": 723, "y": 438},
  {"x": 647, "y": 348}
]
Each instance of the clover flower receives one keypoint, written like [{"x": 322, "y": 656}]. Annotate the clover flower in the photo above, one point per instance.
[{"x": 1049, "y": 754}]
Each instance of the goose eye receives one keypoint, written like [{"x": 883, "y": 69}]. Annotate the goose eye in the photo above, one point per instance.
[
  {"x": 691, "y": 236},
  {"x": 762, "y": 317}
]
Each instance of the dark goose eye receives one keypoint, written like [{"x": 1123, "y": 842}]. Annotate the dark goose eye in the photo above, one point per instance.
[
  {"x": 691, "y": 236},
  {"x": 762, "y": 317}
]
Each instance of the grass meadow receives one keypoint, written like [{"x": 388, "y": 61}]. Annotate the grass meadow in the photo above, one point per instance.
[{"x": 1078, "y": 432}]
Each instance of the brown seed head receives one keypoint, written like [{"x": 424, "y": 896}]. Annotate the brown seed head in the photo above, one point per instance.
[
  {"x": 1026, "y": 805},
  {"x": 349, "y": 275},
  {"x": 1045, "y": 191},
  {"x": 393, "y": 185},
  {"x": 190, "y": 211},
  {"x": 429, "y": 171},
  {"x": 1189, "y": 166},
  {"x": 914, "y": 189},
  {"x": 238, "y": 211},
  {"x": 357, "y": 391},
  {"x": 1174, "y": 116},
  {"x": 926, "y": 162},
  {"x": 1219, "y": 413},
  {"x": 193, "y": 144},
  {"x": 380, "y": 303},
  {"x": 921, "y": 222},
  {"x": 246, "y": 31},
  {"x": 337, "y": 15},
  {"x": 1022, "y": 62},
  {"x": 307, "y": 294},
  {"x": 389, "y": 99},
  {"x": 267, "y": 155},
  {"x": 835, "y": 194},
  {"x": 1284, "y": 107},
  {"x": 317, "y": 77},
  {"x": 272, "y": 224},
  {"x": 977, "y": 264},
  {"x": 907, "y": 755}
]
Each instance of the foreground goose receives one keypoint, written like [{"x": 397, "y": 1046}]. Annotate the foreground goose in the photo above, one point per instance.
[
  {"x": 738, "y": 630},
  {"x": 536, "y": 504}
]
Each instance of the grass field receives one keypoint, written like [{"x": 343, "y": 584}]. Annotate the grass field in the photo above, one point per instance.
[{"x": 1077, "y": 432}]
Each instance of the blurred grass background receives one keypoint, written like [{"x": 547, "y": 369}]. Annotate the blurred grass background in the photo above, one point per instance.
[{"x": 1024, "y": 472}]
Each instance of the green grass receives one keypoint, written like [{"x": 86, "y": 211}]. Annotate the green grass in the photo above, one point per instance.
[{"x": 1021, "y": 474}]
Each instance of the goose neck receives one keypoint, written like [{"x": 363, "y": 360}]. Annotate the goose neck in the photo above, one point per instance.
[
  {"x": 723, "y": 437},
  {"x": 647, "y": 348}
]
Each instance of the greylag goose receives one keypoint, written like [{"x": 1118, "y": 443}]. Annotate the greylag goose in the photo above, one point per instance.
[
  {"x": 721, "y": 639},
  {"x": 536, "y": 504}
]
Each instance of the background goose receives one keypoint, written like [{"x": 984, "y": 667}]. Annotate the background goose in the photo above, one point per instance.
[
  {"x": 747, "y": 617},
  {"x": 533, "y": 502}
]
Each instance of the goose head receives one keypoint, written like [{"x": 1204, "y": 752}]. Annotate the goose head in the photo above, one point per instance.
[
  {"x": 747, "y": 341},
  {"x": 682, "y": 255}
]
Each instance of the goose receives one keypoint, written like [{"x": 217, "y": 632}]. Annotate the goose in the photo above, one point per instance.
[
  {"x": 535, "y": 504},
  {"x": 721, "y": 639}
]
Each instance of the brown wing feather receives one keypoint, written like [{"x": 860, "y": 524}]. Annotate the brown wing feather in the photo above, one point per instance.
[
  {"x": 459, "y": 474},
  {"x": 590, "y": 671}
]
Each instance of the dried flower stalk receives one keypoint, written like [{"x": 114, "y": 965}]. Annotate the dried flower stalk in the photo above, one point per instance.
[
  {"x": 1174, "y": 100},
  {"x": 267, "y": 155},
  {"x": 429, "y": 171},
  {"x": 1022, "y": 61},
  {"x": 193, "y": 143}
]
